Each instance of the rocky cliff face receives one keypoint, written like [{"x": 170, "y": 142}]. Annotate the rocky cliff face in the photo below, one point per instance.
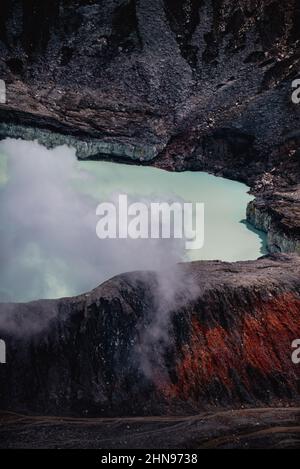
[
  {"x": 191, "y": 84},
  {"x": 277, "y": 214},
  {"x": 225, "y": 342}
]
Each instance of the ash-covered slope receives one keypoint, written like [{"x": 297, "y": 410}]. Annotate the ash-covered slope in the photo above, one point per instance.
[
  {"x": 214, "y": 335},
  {"x": 276, "y": 428}
]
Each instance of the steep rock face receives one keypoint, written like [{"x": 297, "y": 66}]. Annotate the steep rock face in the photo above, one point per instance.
[
  {"x": 143, "y": 72},
  {"x": 221, "y": 338},
  {"x": 278, "y": 214},
  {"x": 191, "y": 84}
]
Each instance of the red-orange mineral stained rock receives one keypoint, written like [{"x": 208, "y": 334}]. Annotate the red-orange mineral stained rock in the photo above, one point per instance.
[{"x": 261, "y": 340}]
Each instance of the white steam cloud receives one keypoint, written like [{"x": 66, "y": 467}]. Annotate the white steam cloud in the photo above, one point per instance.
[
  {"x": 49, "y": 247},
  {"x": 176, "y": 288}
]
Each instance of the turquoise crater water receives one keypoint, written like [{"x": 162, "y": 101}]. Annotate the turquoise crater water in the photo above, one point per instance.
[{"x": 48, "y": 201}]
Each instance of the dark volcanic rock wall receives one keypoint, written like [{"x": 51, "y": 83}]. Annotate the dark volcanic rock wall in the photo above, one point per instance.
[
  {"x": 181, "y": 84},
  {"x": 190, "y": 76},
  {"x": 227, "y": 342},
  {"x": 191, "y": 84}
]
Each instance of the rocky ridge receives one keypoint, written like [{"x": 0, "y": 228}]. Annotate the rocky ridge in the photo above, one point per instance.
[{"x": 221, "y": 339}]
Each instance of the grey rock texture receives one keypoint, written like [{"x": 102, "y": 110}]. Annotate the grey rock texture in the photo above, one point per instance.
[
  {"x": 238, "y": 429},
  {"x": 192, "y": 84},
  {"x": 221, "y": 339},
  {"x": 277, "y": 215}
]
